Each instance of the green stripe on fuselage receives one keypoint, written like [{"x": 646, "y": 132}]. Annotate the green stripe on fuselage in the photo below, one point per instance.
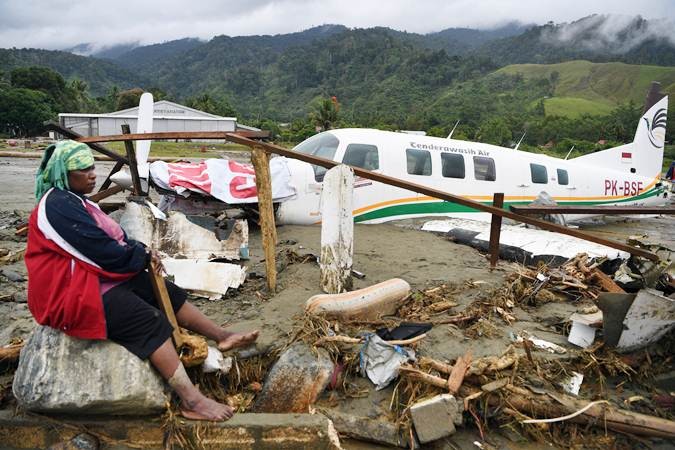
[{"x": 443, "y": 207}]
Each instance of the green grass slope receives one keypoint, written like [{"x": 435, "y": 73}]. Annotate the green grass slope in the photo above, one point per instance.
[{"x": 594, "y": 88}]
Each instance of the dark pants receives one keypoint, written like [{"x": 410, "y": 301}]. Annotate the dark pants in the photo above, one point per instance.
[{"x": 133, "y": 318}]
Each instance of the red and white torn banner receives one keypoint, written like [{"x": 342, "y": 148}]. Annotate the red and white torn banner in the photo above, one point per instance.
[{"x": 228, "y": 181}]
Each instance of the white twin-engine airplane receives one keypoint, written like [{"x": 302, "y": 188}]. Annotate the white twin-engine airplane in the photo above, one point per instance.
[{"x": 624, "y": 175}]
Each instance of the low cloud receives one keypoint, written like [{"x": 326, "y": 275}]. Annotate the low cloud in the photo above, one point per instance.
[
  {"x": 614, "y": 33},
  {"x": 58, "y": 24}
]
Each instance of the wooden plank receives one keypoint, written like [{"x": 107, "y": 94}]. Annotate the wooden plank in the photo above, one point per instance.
[
  {"x": 495, "y": 228},
  {"x": 431, "y": 192},
  {"x": 133, "y": 166},
  {"x": 70, "y": 134},
  {"x": 100, "y": 195},
  {"x": 164, "y": 301},
  {"x": 170, "y": 135},
  {"x": 604, "y": 210},
  {"x": 263, "y": 182}
]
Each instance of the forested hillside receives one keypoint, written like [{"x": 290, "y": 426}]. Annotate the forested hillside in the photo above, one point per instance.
[{"x": 389, "y": 79}]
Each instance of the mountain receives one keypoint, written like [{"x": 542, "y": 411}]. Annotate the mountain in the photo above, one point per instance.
[
  {"x": 144, "y": 58},
  {"x": 597, "y": 38},
  {"x": 99, "y": 74}
]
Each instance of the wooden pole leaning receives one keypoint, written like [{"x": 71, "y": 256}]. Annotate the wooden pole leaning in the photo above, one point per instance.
[
  {"x": 495, "y": 229},
  {"x": 133, "y": 168},
  {"x": 263, "y": 182},
  {"x": 162, "y": 295}
]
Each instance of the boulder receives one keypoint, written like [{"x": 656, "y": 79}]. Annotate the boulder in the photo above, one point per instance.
[
  {"x": 61, "y": 374},
  {"x": 295, "y": 381}
]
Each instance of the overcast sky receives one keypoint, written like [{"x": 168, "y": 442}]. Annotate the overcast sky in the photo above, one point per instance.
[{"x": 58, "y": 24}]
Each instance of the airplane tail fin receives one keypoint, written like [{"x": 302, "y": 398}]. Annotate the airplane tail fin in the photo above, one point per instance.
[
  {"x": 644, "y": 156},
  {"x": 651, "y": 134}
]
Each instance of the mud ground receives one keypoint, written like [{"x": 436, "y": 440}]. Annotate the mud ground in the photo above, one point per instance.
[{"x": 381, "y": 252}]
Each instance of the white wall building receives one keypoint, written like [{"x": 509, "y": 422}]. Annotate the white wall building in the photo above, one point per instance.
[{"x": 168, "y": 116}]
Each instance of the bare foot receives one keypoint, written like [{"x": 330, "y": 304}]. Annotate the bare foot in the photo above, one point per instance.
[
  {"x": 206, "y": 409},
  {"x": 236, "y": 340}
]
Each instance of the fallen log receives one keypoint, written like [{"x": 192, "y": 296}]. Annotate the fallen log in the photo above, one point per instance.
[{"x": 561, "y": 405}]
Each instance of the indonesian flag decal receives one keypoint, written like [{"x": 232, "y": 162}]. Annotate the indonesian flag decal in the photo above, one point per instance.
[{"x": 626, "y": 157}]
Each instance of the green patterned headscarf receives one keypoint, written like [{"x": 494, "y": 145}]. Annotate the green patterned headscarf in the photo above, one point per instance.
[{"x": 58, "y": 159}]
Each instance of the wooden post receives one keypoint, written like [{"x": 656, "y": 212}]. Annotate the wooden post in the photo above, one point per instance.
[
  {"x": 263, "y": 183},
  {"x": 495, "y": 229},
  {"x": 133, "y": 168},
  {"x": 337, "y": 230}
]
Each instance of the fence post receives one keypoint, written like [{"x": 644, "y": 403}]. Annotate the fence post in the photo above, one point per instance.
[
  {"x": 495, "y": 229},
  {"x": 263, "y": 183}
]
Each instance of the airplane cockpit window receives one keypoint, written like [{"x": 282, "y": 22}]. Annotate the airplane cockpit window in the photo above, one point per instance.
[
  {"x": 322, "y": 145},
  {"x": 484, "y": 168},
  {"x": 419, "y": 162},
  {"x": 539, "y": 174},
  {"x": 362, "y": 155},
  {"x": 563, "y": 177},
  {"x": 453, "y": 165}
]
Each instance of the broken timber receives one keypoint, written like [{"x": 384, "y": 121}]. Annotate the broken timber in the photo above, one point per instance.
[
  {"x": 495, "y": 228},
  {"x": 263, "y": 183},
  {"x": 425, "y": 190},
  {"x": 133, "y": 166}
]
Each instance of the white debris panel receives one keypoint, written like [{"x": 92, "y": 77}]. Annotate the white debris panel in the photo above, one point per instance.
[
  {"x": 533, "y": 241},
  {"x": 210, "y": 279}
]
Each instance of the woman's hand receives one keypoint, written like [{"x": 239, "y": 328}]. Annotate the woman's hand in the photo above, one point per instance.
[{"x": 156, "y": 262}]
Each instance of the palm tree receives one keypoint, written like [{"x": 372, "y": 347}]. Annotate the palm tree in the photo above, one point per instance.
[{"x": 325, "y": 113}]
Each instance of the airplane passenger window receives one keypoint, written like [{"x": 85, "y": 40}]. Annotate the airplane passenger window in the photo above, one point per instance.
[
  {"x": 322, "y": 145},
  {"x": 453, "y": 165},
  {"x": 563, "y": 178},
  {"x": 419, "y": 162},
  {"x": 484, "y": 168},
  {"x": 539, "y": 174},
  {"x": 362, "y": 155}
]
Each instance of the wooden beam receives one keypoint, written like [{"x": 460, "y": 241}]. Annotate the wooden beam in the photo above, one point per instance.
[
  {"x": 70, "y": 134},
  {"x": 431, "y": 192},
  {"x": 100, "y": 195},
  {"x": 118, "y": 166},
  {"x": 170, "y": 135},
  {"x": 495, "y": 228},
  {"x": 604, "y": 210},
  {"x": 263, "y": 182},
  {"x": 133, "y": 165}
]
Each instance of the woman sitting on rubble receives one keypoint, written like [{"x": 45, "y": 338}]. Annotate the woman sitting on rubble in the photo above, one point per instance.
[{"x": 89, "y": 280}]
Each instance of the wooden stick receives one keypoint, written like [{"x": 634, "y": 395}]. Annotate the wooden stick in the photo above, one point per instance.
[
  {"x": 495, "y": 228},
  {"x": 606, "y": 282},
  {"x": 437, "y": 365},
  {"x": 162, "y": 295},
  {"x": 10, "y": 353},
  {"x": 263, "y": 184},
  {"x": 351, "y": 340},
  {"x": 133, "y": 166},
  {"x": 458, "y": 371},
  {"x": 425, "y": 377}
]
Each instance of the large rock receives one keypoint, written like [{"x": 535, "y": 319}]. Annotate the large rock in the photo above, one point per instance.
[
  {"x": 61, "y": 374},
  {"x": 295, "y": 381}
]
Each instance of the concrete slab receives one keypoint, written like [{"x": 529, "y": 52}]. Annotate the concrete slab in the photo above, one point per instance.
[{"x": 243, "y": 431}]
